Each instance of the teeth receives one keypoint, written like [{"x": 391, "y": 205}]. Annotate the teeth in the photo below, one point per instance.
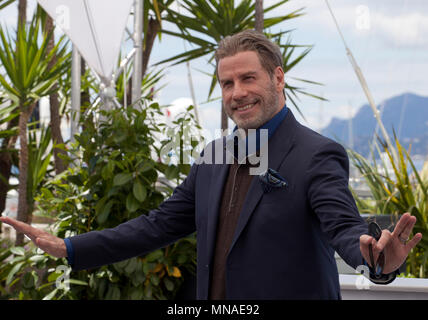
[{"x": 248, "y": 106}]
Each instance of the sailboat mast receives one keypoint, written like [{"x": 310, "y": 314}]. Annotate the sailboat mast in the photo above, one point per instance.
[{"x": 365, "y": 87}]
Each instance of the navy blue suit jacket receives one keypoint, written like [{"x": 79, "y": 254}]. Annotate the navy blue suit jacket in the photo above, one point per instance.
[{"x": 284, "y": 243}]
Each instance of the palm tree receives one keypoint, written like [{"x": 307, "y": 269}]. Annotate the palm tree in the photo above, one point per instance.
[
  {"x": 259, "y": 16},
  {"x": 54, "y": 105},
  {"x": 28, "y": 77},
  {"x": 206, "y": 23},
  {"x": 22, "y": 12}
]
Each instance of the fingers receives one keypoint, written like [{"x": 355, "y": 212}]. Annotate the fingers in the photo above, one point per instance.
[
  {"x": 414, "y": 241},
  {"x": 24, "y": 228},
  {"x": 405, "y": 234},
  {"x": 365, "y": 242},
  {"x": 377, "y": 246},
  {"x": 404, "y": 226},
  {"x": 383, "y": 240}
]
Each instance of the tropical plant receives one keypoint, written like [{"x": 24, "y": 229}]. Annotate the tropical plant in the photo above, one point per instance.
[
  {"x": 39, "y": 160},
  {"x": 5, "y": 3},
  {"x": 152, "y": 17},
  {"x": 117, "y": 179},
  {"x": 28, "y": 77},
  {"x": 206, "y": 23},
  {"x": 396, "y": 192},
  {"x": 54, "y": 102}
]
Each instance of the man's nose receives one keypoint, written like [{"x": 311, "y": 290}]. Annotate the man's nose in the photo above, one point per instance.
[{"x": 239, "y": 91}]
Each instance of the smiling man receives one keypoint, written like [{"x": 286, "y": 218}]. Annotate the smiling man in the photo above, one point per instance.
[
  {"x": 271, "y": 236},
  {"x": 251, "y": 94}
]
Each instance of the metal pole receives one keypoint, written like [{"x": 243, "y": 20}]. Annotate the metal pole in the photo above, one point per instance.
[
  {"x": 189, "y": 77},
  {"x": 138, "y": 45},
  {"x": 75, "y": 93},
  {"x": 365, "y": 88}
]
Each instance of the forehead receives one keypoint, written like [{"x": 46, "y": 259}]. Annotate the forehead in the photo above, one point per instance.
[{"x": 240, "y": 63}]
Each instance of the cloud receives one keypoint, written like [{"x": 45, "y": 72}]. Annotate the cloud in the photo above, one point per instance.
[
  {"x": 396, "y": 26},
  {"x": 403, "y": 30}
]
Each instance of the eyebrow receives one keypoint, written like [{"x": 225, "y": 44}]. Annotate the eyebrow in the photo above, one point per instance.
[{"x": 246, "y": 74}]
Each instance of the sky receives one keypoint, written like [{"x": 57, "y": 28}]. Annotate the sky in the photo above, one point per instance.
[{"x": 387, "y": 38}]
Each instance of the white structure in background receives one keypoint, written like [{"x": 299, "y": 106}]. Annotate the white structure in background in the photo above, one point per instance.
[{"x": 95, "y": 27}]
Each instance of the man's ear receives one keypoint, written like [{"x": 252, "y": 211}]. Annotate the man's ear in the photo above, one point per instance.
[{"x": 279, "y": 79}]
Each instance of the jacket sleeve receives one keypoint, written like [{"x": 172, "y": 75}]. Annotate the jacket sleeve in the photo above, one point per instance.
[
  {"x": 174, "y": 219},
  {"x": 333, "y": 203}
]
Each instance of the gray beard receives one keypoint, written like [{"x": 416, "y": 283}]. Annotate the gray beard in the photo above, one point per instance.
[{"x": 269, "y": 107}]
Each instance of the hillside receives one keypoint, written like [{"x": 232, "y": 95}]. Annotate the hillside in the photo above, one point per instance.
[{"x": 406, "y": 114}]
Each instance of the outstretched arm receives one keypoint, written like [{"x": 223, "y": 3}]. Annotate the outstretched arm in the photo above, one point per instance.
[{"x": 49, "y": 243}]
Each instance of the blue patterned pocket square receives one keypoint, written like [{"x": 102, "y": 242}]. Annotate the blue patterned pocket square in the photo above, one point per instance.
[{"x": 271, "y": 179}]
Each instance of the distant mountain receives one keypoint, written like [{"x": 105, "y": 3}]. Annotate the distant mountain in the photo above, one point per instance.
[{"x": 407, "y": 114}]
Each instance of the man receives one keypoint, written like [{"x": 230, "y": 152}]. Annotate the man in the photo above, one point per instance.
[{"x": 269, "y": 236}]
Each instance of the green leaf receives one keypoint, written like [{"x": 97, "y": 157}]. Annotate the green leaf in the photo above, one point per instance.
[
  {"x": 105, "y": 212},
  {"x": 75, "y": 179},
  {"x": 30, "y": 280},
  {"x": 168, "y": 284},
  {"x": 132, "y": 266},
  {"x": 155, "y": 280},
  {"x": 78, "y": 282},
  {"x": 146, "y": 166},
  {"x": 136, "y": 294},
  {"x": 139, "y": 191},
  {"x": 148, "y": 292},
  {"x": 19, "y": 251},
  {"x": 132, "y": 204},
  {"x": 53, "y": 276},
  {"x": 12, "y": 272},
  {"x": 154, "y": 256},
  {"x": 138, "y": 279},
  {"x": 182, "y": 258},
  {"x": 50, "y": 295},
  {"x": 122, "y": 178},
  {"x": 37, "y": 258},
  {"x": 171, "y": 172},
  {"x": 113, "y": 293}
]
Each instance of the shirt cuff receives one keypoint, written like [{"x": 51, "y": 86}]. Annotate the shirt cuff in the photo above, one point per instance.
[
  {"x": 70, "y": 251},
  {"x": 377, "y": 277}
]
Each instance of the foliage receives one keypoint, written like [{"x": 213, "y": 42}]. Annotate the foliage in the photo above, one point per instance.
[
  {"x": 148, "y": 84},
  {"x": 40, "y": 154},
  {"x": 116, "y": 180},
  {"x": 25, "y": 60},
  {"x": 402, "y": 191},
  {"x": 5, "y": 3},
  {"x": 27, "y": 272}
]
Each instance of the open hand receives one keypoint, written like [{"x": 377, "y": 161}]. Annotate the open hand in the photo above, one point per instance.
[
  {"x": 396, "y": 246},
  {"x": 49, "y": 243}
]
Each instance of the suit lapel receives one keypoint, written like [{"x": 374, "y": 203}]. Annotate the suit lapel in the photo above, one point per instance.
[{"x": 279, "y": 146}]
